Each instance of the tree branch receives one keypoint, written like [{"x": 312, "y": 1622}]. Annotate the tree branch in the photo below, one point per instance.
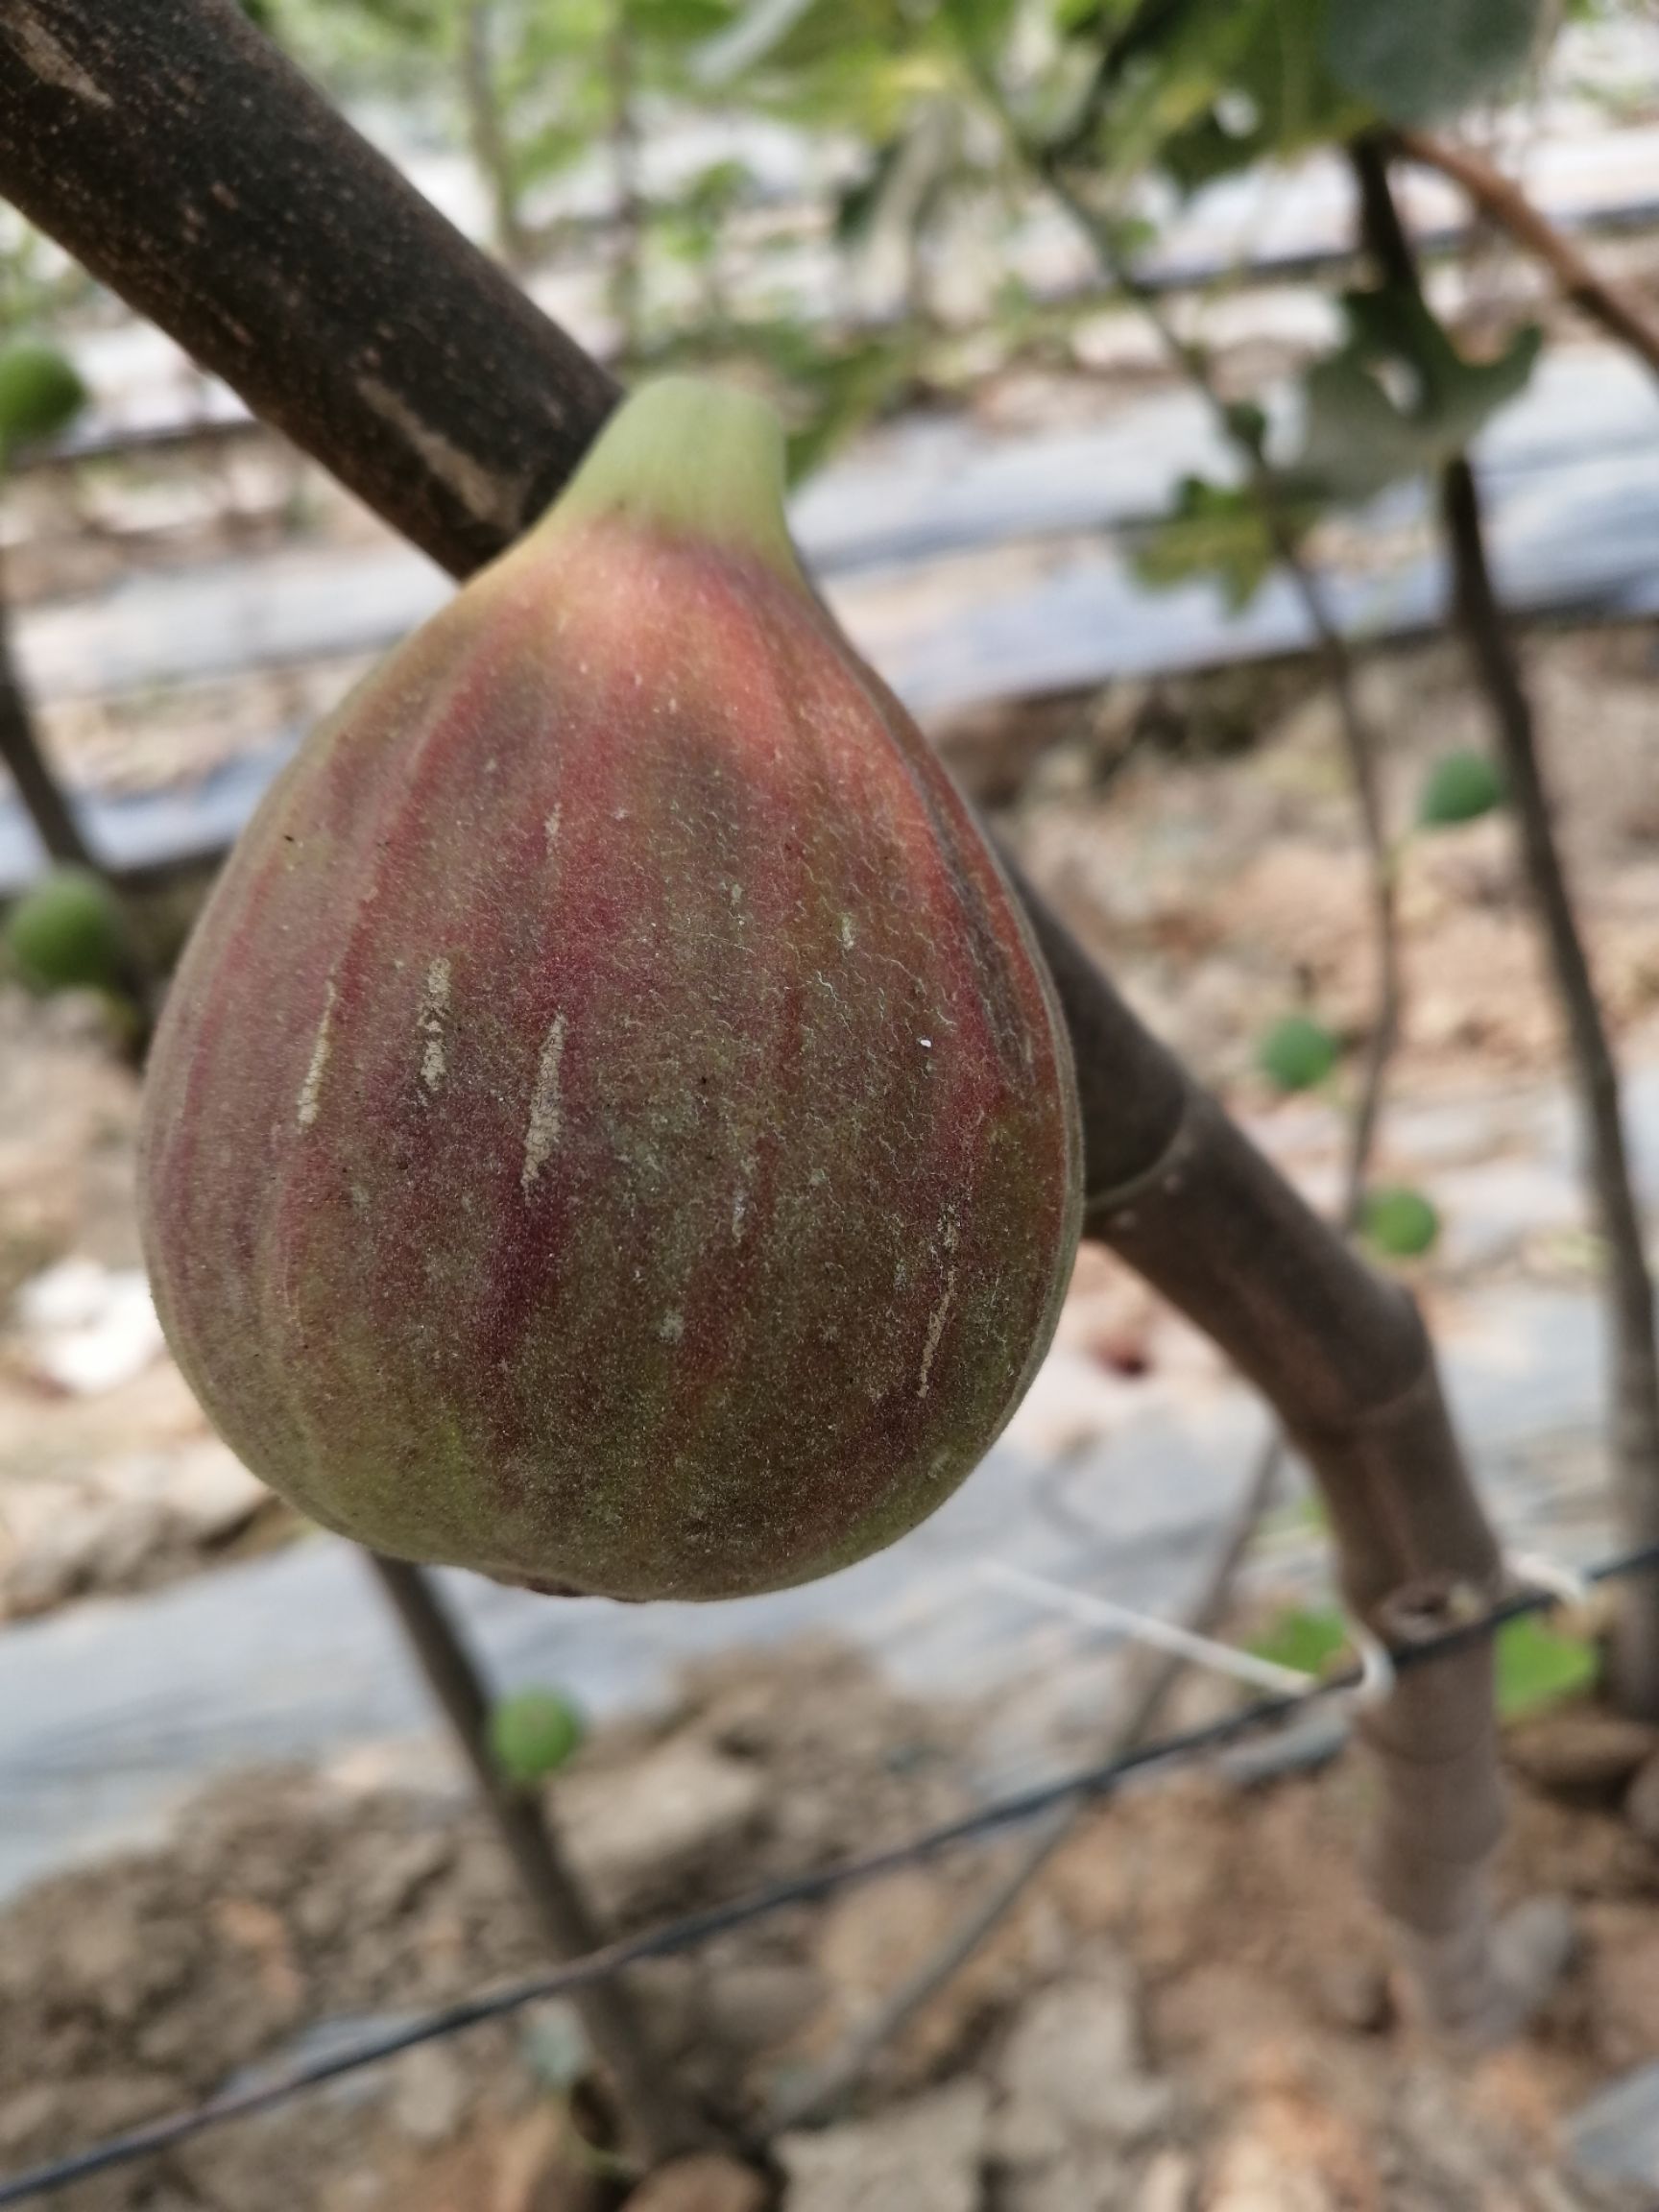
[
  {"x": 53, "y": 818},
  {"x": 1634, "y": 1345},
  {"x": 487, "y": 131},
  {"x": 187, "y": 162},
  {"x": 1331, "y": 651},
  {"x": 1502, "y": 202},
  {"x": 651, "y": 2109},
  {"x": 1153, "y": 1675}
]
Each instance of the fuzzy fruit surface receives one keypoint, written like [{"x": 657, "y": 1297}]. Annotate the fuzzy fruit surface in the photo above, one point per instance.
[{"x": 610, "y": 1128}]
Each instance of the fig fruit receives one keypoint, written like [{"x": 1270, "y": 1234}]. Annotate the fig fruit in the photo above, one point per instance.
[
  {"x": 610, "y": 1127},
  {"x": 40, "y": 394},
  {"x": 67, "y": 933},
  {"x": 532, "y": 1734}
]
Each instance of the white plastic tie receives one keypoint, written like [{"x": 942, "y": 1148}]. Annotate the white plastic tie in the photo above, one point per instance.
[
  {"x": 1378, "y": 1672},
  {"x": 1098, "y": 1612},
  {"x": 1530, "y": 1569}
]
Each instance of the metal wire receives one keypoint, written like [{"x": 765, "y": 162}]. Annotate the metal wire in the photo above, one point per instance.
[{"x": 1088, "y": 1783}]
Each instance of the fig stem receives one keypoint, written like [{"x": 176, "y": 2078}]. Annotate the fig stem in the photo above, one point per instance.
[{"x": 695, "y": 459}]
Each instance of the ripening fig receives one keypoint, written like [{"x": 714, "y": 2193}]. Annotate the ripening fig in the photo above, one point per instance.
[{"x": 610, "y": 1127}]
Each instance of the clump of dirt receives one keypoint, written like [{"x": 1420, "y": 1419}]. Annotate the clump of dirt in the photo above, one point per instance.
[{"x": 1196, "y": 1998}]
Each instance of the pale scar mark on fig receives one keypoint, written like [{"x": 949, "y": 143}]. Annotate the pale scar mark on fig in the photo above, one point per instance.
[
  {"x": 936, "y": 1331},
  {"x": 541, "y": 1133},
  {"x": 551, "y": 826},
  {"x": 949, "y": 1235},
  {"x": 671, "y": 1328},
  {"x": 847, "y": 939},
  {"x": 311, "y": 1089},
  {"x": 434, "y": 1006}
]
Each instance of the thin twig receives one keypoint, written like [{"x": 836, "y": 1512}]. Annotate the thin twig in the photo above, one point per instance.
[
  {"x": 1332, "y": 653},
  {"x": 1504, "y": 203},
  {"x": 1635, "y": 1346},
  {"x": 822, "y": 2093},
  {"x": 43, "y": 800},
  {"x": 652, "y": 2108},
  {"x": 487, "y": 131}
]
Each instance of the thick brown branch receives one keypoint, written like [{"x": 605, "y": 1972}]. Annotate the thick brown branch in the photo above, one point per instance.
[
  {"x": 1504, "y": 203},
  {"x": 1346, "y": 1363},
  {"x": 192, "y": 168}
]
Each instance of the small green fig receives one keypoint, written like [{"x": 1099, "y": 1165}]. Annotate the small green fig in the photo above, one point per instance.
[
  {"x": 1461, "y": 787},
  {"x": 66, "y": 933},
  {"x": 611, "y": 1128},
  {"x": 1401, "y": 1223},
  {"x": 532, "y": 1734},
  {"x": 41, "y": 393},
  {"x": 1297, "y": 1053}
]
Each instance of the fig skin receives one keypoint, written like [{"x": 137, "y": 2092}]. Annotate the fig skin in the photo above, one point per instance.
[{"x": 610, "y": 1127}]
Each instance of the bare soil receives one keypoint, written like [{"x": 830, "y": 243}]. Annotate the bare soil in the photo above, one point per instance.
[{"x": 1223, "y": 1936}]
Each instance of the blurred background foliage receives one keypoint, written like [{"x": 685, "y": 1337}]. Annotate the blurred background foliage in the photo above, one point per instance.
[
  {"x": 929, "y": 136},
  {"x": 842, "y": 196}
]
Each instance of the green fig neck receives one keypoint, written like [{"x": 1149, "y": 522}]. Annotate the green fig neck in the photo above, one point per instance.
[{"x": 694, "y": 459}]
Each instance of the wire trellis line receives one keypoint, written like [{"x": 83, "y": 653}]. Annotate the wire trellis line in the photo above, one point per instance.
[{"x": 1094, "y": 1783}]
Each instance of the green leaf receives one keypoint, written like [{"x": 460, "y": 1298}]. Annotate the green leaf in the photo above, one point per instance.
[
  {"x": 1360, "y": 434},
  {"x": 983, "y": 26},
  {"x": 1297, "y": 1053},
  {"x": 68, "y": 934},
  {"x": 1401, "y": 1223},
  {"x": 1203, "y": 87},
  {"x": 1247, "y": 424},
  {"x": 757, "y": 34},
  {"x": 532, "y": 1734},
  {"x": 1303, "y": 1640},
  {"x": 1421, "y": 61},
  {"x": 41, "y": 393},
  {"x": 843, "y": 390},
  {"x": 1461, "y": 787},
  {"x": 1215, "y": 530},
  {"x": 1540, "y": 1666}
]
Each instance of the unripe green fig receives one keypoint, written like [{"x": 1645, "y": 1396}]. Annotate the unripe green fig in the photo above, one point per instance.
[
  {"x": 1401, "y": 1223},
  {"x": 1297, "y": 1053},
  {"x": 66, "y": 933},
  {"x": 610, "y": 1127},
  {"x": 41, "y": 393},
  {"x": 532, "y": 1734}
]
